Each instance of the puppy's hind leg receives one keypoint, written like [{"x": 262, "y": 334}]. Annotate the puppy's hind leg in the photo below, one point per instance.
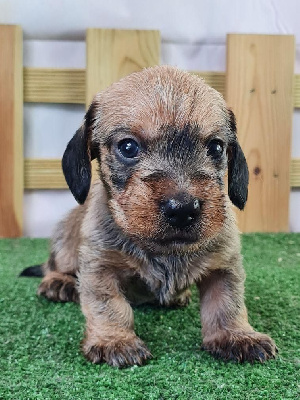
[
  {"x": 59, "y": 287},
  {"x": 55, "y": 286},
  {"x": 60, "y": 271},
  {"x": 59, "y": 282}
]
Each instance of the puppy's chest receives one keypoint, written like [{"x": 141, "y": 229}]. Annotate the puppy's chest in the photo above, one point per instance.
[{"x": 166, "y": 277}]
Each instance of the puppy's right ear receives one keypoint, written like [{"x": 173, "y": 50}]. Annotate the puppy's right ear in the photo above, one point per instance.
[{"x": 76, "y": 161}]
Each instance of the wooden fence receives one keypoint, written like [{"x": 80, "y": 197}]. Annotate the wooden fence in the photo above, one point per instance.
[{"x": 259, "y": 85}]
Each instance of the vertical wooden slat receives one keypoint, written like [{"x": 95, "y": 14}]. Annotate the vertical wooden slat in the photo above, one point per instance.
[
  {"x": 11, "y": 131},
  {"x": 113, "y": 54},
  {"x": 259, "y": 89}
]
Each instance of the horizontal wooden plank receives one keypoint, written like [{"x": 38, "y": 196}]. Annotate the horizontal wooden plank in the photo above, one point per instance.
[
  {"x": 295, "y": 172},
  {"x": 213, "y": 79},
  {"x": 46, "y": 85},
  {"x": 297, "y": 91},
  {"x": 47, "y": 174},
  {"x": 44, "y": 174}
]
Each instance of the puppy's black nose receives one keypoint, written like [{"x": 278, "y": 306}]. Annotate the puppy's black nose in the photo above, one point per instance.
[{"x": 181, "y": 212}]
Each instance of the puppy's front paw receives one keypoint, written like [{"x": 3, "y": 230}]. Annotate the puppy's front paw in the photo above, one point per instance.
[
  {"x": 123, "y": 353},
  {"x": 241, "y": 346}
]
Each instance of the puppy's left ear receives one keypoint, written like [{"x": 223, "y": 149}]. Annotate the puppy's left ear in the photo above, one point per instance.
[
  {"x": 238, "y": 174},
  {"x": 76, "y": 162}
]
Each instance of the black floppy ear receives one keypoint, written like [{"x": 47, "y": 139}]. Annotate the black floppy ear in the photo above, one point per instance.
[
  {"x": 238, "y": 175},
  {"x": 76, "y": 161}
]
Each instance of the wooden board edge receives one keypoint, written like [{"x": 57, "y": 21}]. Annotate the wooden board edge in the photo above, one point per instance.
[
  {"x": 47, "y": 174},
  {"x": 68, "y": 85}
]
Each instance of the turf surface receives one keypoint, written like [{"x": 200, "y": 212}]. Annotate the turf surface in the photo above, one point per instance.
[{"x": 39, "y": 340}]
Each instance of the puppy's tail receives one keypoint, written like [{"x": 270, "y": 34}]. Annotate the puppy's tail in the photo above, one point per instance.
[{"x": 34, "y": 271}]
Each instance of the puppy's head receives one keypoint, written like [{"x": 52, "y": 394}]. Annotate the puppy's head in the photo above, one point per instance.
[{"x": 164, "y": 140}]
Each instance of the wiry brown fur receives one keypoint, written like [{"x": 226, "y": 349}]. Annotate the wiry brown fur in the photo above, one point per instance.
[{"x": 118, "y": 245}]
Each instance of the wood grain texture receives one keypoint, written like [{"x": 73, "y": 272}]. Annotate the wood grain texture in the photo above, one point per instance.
[
  {"x": 48, "y": 85},
  {"x": 297, "y": 91},
  {"x": 44, "y": 174},
  {"x": 295, "y": 173},
  {"x": 259, "y": 89},
  {"x": 11, "y": 131},
  {"x": 216, "y": 80},
  {"x": 113, "y": 54},
  {"x": 47, "y": 174}
]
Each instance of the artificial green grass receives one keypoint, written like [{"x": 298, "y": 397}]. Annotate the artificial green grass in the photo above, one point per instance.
[{"x": 39, "y": 340}]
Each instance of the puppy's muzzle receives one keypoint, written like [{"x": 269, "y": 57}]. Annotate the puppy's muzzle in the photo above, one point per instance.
[{"x": 181, "y": 211}]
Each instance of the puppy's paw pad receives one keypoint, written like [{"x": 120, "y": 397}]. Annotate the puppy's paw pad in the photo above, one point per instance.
[
  {"x": 119, "y": 354},
  {"x": 249, "y": 347},
  {"x": 56, "y": 289}
]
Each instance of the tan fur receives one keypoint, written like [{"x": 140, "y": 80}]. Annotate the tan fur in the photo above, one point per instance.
[
  {"x": 119, "y": 246},
  {"x": 146, "y": 101},
  {"x": 57, "y": 286}
]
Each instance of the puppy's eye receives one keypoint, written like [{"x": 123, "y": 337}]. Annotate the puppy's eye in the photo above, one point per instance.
[
  {"x": 215, "y": 148},
  {"x": 129, "y": 148}
]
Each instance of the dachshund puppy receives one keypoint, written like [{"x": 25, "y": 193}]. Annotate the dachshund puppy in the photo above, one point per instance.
[{"x": 157, "y": 219}]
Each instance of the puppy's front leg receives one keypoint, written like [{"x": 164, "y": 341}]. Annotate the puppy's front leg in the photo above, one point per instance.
[
  {"x": 226, "y": 331},
  {"x": 109, "y": 335}
]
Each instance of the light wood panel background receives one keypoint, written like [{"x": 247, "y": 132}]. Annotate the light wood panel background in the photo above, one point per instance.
[
  {"x": 295, "y": 173},
  {"x": 11, "y": 131},
  {"x": 257, "y": 86},
  {"x": 44, "y": 174},
  {"x": 48, "y": 85},
  {"x": 47, "y": 174},
  {"x": 68, "y": 86},
  {"x": 112, "y": 54},
  {"x": 259, "y": 89}
]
